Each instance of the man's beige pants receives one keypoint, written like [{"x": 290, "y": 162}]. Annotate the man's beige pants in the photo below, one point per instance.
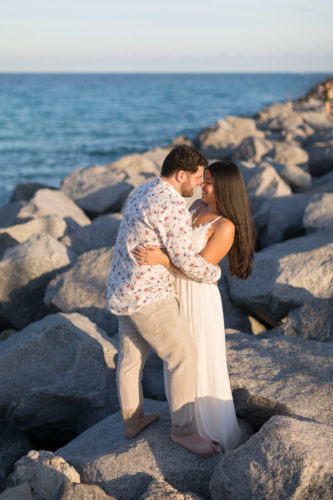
[{"x": 162, "y": 326}]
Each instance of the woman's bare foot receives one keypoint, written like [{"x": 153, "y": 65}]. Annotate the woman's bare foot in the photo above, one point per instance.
[
  {"x": 133, "y": 430},
  {"x": 196, "y": 444}
]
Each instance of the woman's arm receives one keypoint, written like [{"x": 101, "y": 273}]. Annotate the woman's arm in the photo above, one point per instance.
[
  {"x": 220, "y": 242},
  {"x": 152, "y": 256}
]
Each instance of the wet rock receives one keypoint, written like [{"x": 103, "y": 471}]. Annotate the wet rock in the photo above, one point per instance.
[
  {"x": 53, "y": 202},
  {"x": 57, "y": 376},
  {"x": 287, "y": 458},
  {"x": 100, "y": 233},
  {"x": 319, "y": 212},
  {"x": 25, "y": 271},
  {"x": 44, "y": 472},
  {"x": 83, "y": 289},
  {"x": 287, "y": 275},
  {"x": 97, "y": 189},
  {"x": 312, "y": 321},
  {"x": 279, "y": 219},
  {"x": 280, "y": 376}
]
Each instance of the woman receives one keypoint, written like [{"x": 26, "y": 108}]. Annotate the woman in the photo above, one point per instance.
[{"x": 221, "y": 226}]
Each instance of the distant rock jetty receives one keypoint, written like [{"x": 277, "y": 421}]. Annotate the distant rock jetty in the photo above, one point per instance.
[{"x": 61, "y": 430}]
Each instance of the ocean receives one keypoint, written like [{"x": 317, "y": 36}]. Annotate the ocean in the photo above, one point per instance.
[{"x": 51, "y": 124}]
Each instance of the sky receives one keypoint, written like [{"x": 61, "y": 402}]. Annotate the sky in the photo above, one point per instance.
[{"x": 166, "y": 36}]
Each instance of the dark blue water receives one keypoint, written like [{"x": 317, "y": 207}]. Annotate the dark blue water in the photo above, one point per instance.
[{"x": 53, "y": 123}]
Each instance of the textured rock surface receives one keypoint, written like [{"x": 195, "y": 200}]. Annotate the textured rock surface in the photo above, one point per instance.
[
  {"x": 13, "y": 445},
  {"x": 54, "y": 202},
  {"x": 280, "y": 376},
  {"x": 26, "y": 190},
  {"x": 25, "y": 271},
  {"x": 125, "y": 468},
  {"x": 320, "y": 158},
  {"x": 290, "y": 154},
  {"x": 163, "y": 491},
  {"x": 20, "y": 492},
  {"x": 44, "y": 472},
  {"x": 299, "y": 180},
  {"x": 281, "y": 218},
  {"x": 319, "y": 212},
  {"x": 287, "y": 458},
  {"x": 100, "y": 233},
  {"x": 97, "y": 189},
  {"x": 57, "y": 376},
  {"x": 80, "y": 491},
  {"x": 312, "y": 321},
  {"x": 287, "y": 275},
  {"x": 252, "y": 148},
  {"x": 83, "y": 288}
]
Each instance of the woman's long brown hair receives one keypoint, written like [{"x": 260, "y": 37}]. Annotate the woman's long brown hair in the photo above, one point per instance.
[{"x": 232, "y": 203}]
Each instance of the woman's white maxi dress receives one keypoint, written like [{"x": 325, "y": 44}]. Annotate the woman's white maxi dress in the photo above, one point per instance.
[{"x": 214, "y": 407}]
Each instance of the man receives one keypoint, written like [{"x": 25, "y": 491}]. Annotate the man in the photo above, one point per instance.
[{"x": 145, "y": 301}]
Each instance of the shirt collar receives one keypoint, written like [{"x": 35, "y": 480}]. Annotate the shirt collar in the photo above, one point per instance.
[{"x": 171, "y": 189}]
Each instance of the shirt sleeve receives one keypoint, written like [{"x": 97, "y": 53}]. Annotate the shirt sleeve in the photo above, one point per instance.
[{"x": 176, "y": 236}]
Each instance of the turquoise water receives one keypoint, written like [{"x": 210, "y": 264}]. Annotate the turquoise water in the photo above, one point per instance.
[{"x": 53, "y": 123}]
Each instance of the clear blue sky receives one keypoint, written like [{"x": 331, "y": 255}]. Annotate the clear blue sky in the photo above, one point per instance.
[{"x": 166, "y": 36}]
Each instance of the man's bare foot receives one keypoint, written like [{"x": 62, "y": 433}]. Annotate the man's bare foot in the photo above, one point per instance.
[
  {"x": 196, "y": 444},
  {"x": 133, "y": 430}
]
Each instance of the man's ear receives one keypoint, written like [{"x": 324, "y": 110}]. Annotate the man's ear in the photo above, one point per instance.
[{"x": 180, "y": 176}]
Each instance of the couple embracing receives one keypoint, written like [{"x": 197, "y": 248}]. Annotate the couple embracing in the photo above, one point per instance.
[{"x": 162, "y": 287}]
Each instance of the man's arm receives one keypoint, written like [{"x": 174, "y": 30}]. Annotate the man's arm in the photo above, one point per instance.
[{"x": 176, "y": 236}]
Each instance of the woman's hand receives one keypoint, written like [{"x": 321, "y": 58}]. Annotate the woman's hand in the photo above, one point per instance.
[{"x": 151, "y": 255}]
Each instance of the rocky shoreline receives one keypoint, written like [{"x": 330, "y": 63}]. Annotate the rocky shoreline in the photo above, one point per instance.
[{"x": 61, "y": 431}]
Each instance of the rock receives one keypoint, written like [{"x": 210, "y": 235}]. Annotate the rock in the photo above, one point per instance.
[
  {"x": 312, "y": 321},
  {"x": 262, "y": 181},
  {"x": 164, "y": 491},
  {"x": 276, "y": 110},
  {"x": 279, "y": 219},
  {"x": 323, "y": 184},
  {"x": 299, "y": 180},
  {"x": 20, "y": 492},
  {"x": 125, "y": 468},
  {"x": 219, "y": 141},
  {"x": 252, "y": 148},
  {"x": 287, "y": 458},
  {"x": 282, "y": 123},
  {"x": 319, "y": 212},
  {"x": 97, "y": 189},
  {"x": 182, "y": 139},
  {"x": 46, "y": 382},
  {"x": 9, "y": 213},
  {"x": 83, "y": 289},
  {"x": 320, "y": 158},
  {"x": 287, "y": 275},
  {"x": 26, "y": 190},
  {"x": 289, "y": 154},
  {"x": 13, "y": 445},
  {"x": 25, "y": 271},
  {"x": 54, "y": 202},
  {"x": 317, "y": 120},
  {"x": 50, "y": 224},
  {"x": 44, "y": 472},
  {"x": 280, "y": 376},
  {"x": 80, "y": 491},
  {"x": 100, "y": 233}
]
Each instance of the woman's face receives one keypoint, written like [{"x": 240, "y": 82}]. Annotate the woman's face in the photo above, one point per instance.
[{"x": 208, "y": 193}]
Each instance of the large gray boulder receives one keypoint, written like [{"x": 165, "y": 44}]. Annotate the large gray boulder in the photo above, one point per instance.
[
  {"x": 9, "y": 214},
  {"x": 319, "y": 212},
  {"x": 312, "y": 321},
  {"x": 161, "y": 490},
  {"x": 25, "y": 271},
  {"x": 290, "y": 154},
  {"x": 97, "y": 189},
  {"x": 13, "y": 445},
  {"x": 81, "y": 491},
  {"x": 100, "y": 233},
  {"x": 26, "y": 190},
  {"x": 299, "y": 180},
  {"x": 57, "y": 376},
  {"x": 124, "y": 468},
  {"x": 83, "y": 289},
  {"x": 45, "y": 474},
  {"x": 317, "y": 119},
  {"x": 280, "y": 218},
  {"x": 53, "y": 202},
  {"x": 277, "y": 110},
  {"x": 287, "y": 458},
  {"x": 220, "y": 140},
  {"x": 286, "y": 275},
  {"x": 320, "y": 158},
  {"x": 20, "y": 492},
  {"x": 323, "y": 184},
  {"x": 262, "y": 182},
  {"x": 252, "y": 148},
  {"x": 280, "y": 376}
]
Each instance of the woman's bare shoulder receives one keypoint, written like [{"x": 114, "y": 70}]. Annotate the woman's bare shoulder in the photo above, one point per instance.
[{"x": 224, "y": 226}]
